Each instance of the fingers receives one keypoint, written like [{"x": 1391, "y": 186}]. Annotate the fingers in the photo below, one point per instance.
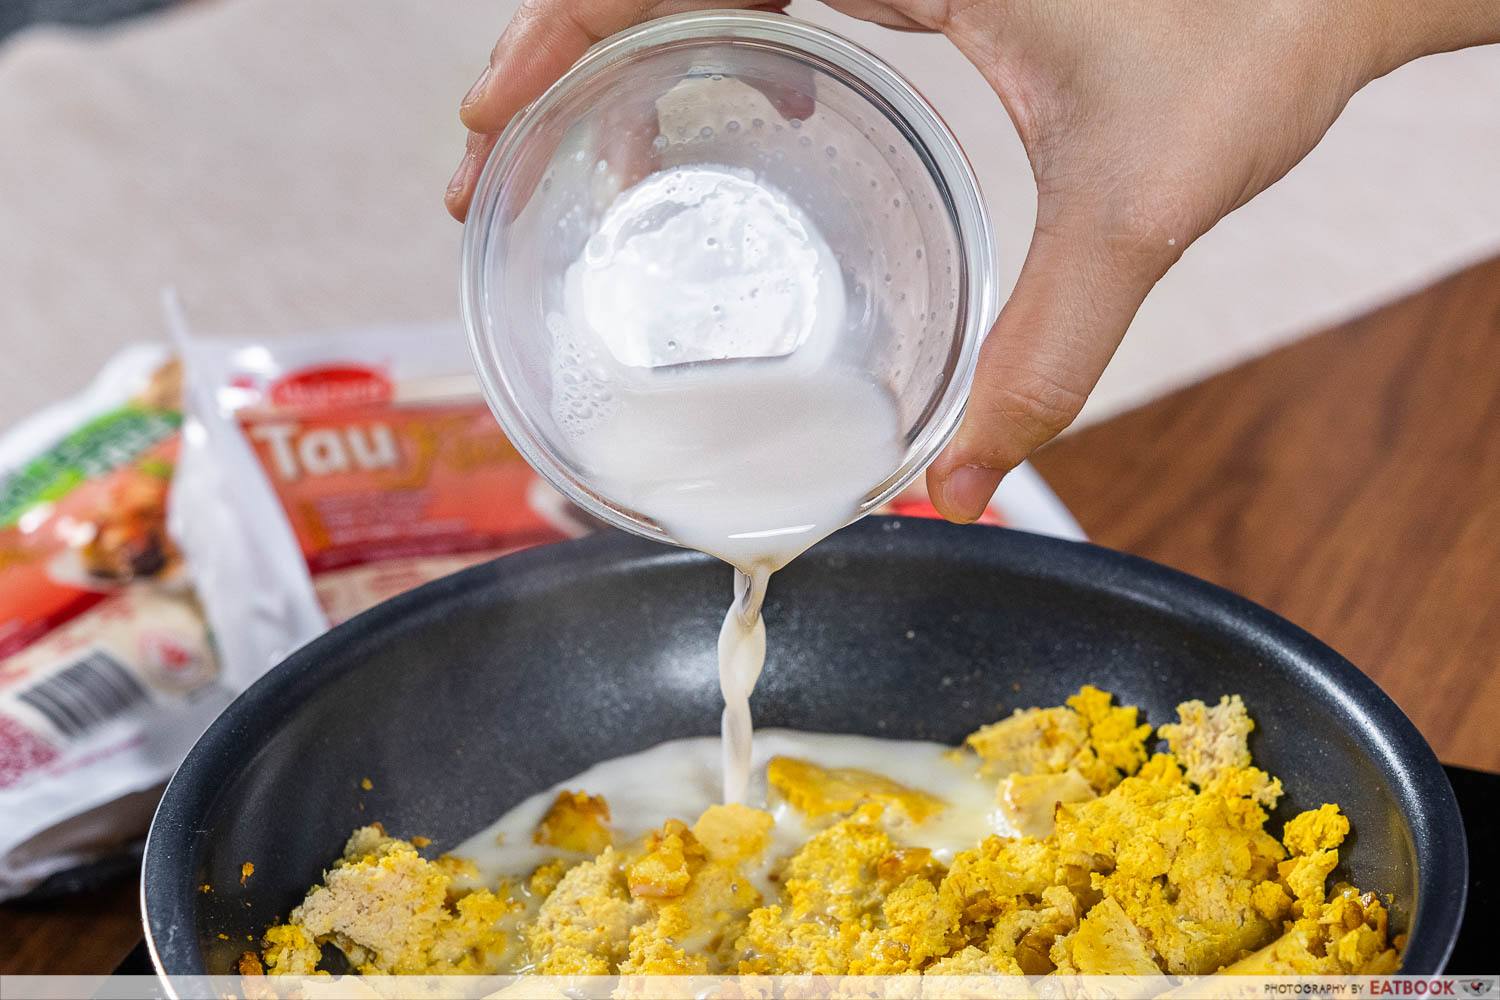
[
  {"x": 1076, "y": 295},
  {"x": 461, "y": 188},
  {"x": 542, "y": 41},
  {"x": 548, "y": 36}
]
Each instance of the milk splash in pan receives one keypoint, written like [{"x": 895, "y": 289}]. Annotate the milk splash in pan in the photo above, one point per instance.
[{"x": 695, "y": 378}]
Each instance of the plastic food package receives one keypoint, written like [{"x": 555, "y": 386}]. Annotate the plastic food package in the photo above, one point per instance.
[
  {"x": 106, "y": 672},
  {"x": 323, "y": 474}
]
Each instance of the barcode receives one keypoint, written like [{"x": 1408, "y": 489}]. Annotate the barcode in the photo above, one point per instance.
[{"x": 86, "y": 694}]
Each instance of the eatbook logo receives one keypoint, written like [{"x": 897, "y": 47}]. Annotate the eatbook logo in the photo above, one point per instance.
[
  {"x": 332, "y": 387},
  {"x": 1477, "y": 987}
]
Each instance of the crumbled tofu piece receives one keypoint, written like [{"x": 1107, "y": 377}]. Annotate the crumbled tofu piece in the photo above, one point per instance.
[
  {"x": 1117, "y": 737},
  {"x": 1347, "y": 935},
  {"x": 971, "y": 961},
  {"x": 1029, "y": 801},
  {"x": 1183, "y": 863},
  {"x": 366, "y": 841},
  {"x": 1101, "y": 741},
  {"x": 819, "y": 792},
  {"x": 672, "y": 854},
  {"x": 829, "y": 889},
  {"x": 388, "y": 903},
  {"x": 1031, "y": 741},
  {"x": 1210, "y": 741},
  {"x": 1320, "y": 829},
  {"x": 583, "y": 926},
  {"x": 694, "y": 933},
  {"x": 291, "y": 951},
  {"x": 733, "y": 832},
  {"x": 389, "y": 910},
  {"x": 1025, "y": 933},
  {"x": 575, "y": 822},
  {"x": 545, "y": 878},
  {"x": 1106, "y": 943},
  {"x": 904, "y": 862}
]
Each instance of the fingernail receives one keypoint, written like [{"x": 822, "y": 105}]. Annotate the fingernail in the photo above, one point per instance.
[
  {"x": 968, "y": 490},
  {"x": 456, "y": 184},
  {"x": 476, "y": 90}
]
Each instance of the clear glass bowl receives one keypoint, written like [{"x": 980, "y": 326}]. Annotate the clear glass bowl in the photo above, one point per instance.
[{"x": 862, "y": 154}]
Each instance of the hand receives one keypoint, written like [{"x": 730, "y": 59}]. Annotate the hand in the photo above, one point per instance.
[{"x": 1145, "y": 121}]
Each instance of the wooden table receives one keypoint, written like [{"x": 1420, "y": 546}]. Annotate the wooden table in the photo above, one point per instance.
[{"x": 1351, "y": 482}]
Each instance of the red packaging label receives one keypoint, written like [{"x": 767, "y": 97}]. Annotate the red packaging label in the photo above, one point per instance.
[{"x": 394, "y": 487}]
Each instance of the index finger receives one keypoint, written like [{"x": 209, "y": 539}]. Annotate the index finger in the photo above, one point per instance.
[{"x": 546, "y": 37}]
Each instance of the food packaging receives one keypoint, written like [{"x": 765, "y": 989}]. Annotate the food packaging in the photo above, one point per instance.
[
  {"x": 323, "y": 474},
  {"x": 106, "y": 671}
]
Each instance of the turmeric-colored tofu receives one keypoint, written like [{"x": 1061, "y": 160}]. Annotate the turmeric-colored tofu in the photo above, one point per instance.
[
  {"x": 672, "y": 854},
  {"x": 733, "y": 832},
  {"x": 1031, "y": 741},
  {"x": 575, "y": 822},
  {"x": 1106, "y": 943},
  {"x": 1123, "y": 865},
  {"x": 1209, "y": 741},
  {"x": 820, "y": 792},
  {"x": 1029, "y": 801},
  {"x": 1320, "y": 829}
]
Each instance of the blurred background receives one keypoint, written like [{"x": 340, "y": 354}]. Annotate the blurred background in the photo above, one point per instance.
[{"x": 282, "y": 164}]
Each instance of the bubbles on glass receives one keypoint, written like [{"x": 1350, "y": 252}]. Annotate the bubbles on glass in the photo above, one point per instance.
[
  {"x": 659, "y": 143},
  {"x": 706, "y": 132},
  {"x": 733, "y": 126}
]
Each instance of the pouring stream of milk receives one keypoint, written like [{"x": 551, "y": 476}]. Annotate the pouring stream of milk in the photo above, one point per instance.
[{"x": 696, "y": 380}]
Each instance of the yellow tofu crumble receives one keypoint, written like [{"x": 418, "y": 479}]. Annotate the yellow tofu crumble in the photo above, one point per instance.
[{"x": 1128, "y": 862}]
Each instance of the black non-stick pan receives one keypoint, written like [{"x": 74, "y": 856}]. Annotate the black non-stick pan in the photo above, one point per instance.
[{"x": 463, "y": 697}]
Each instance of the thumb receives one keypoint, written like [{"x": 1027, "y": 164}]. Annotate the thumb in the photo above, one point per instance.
[{"x": 1079, "y": 288}]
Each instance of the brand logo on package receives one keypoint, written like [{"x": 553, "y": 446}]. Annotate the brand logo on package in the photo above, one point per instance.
[{"x": 332, "y": 387}]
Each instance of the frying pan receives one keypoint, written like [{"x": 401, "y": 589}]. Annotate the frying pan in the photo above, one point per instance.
[{"x": 459, "y": 699}]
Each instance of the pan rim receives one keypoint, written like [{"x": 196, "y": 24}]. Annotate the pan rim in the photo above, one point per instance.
[{"x": 1429, "y": 806}]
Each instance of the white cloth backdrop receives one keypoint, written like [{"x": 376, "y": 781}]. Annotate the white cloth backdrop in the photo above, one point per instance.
[{"x": 282, "y": 163}]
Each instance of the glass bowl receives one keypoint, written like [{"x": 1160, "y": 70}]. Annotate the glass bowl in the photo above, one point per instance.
[{"x": 861, "y": 154}]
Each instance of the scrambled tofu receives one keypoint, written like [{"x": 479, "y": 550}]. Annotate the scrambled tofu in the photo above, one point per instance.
[
  {"x": 821, "y": 793},
  {"x": 1127, "y": 863},
  {"x": 575, "y": 822},
  {"x": 393, "y": 912}
]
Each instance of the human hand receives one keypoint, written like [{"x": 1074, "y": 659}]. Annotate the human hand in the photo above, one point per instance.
[{"x": 1145, "y": 121}]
